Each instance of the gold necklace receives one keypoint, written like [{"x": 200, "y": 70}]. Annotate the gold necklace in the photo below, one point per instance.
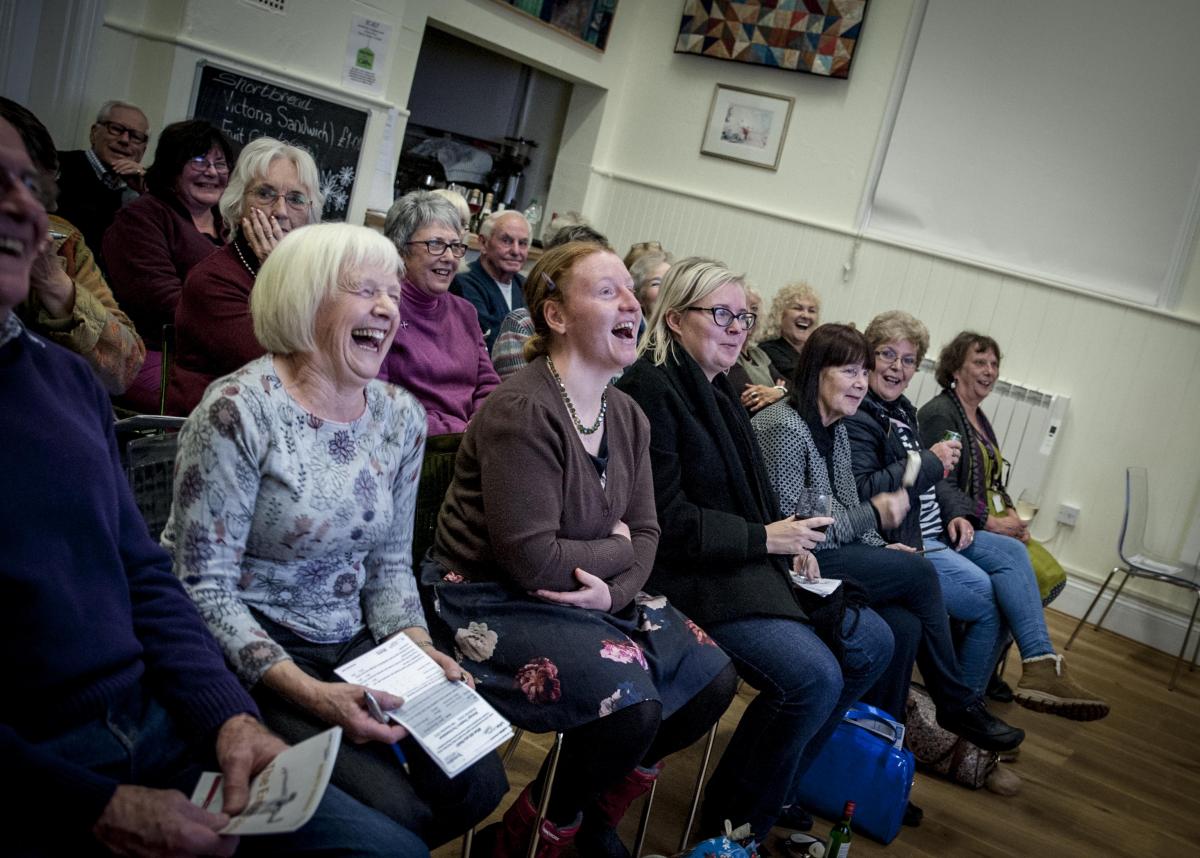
[{"x": 562, "y": 389}]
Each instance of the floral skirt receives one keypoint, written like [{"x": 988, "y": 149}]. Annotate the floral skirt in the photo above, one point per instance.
[{"x": 549, "y": 667}]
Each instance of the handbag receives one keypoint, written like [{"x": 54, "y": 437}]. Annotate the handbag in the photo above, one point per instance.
[
  {"x": 864, "y": 761},
  {"x": 939, "y": 750}
]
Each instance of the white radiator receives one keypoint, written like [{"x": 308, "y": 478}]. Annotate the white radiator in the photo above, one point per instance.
[{"x": 1027, "y": 423}]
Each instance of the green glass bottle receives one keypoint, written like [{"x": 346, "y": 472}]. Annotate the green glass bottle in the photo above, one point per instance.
[{"x": 839, "y": 835}]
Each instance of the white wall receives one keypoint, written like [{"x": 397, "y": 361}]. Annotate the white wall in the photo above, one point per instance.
[{"x": 1133, "y": 375}]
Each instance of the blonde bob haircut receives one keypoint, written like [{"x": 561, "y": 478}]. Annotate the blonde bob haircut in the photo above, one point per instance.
[
  {"x": 251, "y": 170},
  {"x": 896, "y": 325},
  {"x": 304, "y": 270},
  {"x": 686, "y": 283},
  {"x": 784, "y": 298},
  {"x": 549, "y": 281}
]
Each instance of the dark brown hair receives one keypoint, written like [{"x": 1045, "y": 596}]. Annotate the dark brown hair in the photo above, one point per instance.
[
  {"x": 828, "y": 345},
  {"x": 179, "y": 143},
  {"x": 954, "y": 354}
]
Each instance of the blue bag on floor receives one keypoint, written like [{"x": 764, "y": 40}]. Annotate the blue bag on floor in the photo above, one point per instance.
[{"x": 864, "y": 761}]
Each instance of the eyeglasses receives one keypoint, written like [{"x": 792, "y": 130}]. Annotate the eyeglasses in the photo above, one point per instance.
[
  {"x": 266, "y": 196},
  {"x": 724, "y": 317},
  {"x": 372, "y": 293},
  {"x": 889, "y": 357},
  {"x": 202, "y": 165},
  {"x": 437, "y": 247},
  {"x": 116, "y": 129}
]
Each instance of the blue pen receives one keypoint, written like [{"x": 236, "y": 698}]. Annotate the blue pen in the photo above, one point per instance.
[{"x": 376, "y": 712}]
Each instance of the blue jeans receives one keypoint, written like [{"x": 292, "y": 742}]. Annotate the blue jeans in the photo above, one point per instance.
[
  {"x": 137, "y": 742},
  {"x": 802, "y": 694},
  {"x": 997, "y": 568}
]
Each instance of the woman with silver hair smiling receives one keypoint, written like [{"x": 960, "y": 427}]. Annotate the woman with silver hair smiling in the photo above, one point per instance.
[
  {"x": 273, "y": 189},
  {"x": 439, "y": 354},
  {"x": 292, "y": 523}
]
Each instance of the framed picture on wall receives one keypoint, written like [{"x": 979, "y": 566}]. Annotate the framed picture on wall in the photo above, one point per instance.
[{"x": 747, "y": 126}]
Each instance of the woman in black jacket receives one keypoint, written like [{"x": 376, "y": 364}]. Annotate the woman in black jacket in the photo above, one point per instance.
[{"x": 725, "y": 553}]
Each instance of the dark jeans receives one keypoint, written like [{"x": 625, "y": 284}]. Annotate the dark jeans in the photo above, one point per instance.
[
  {"x": 436, "y": 807},
  {"x": 138, "y": 742},
  {"x": 802, "y": 695},
  {"x": 903, "y": 588}
]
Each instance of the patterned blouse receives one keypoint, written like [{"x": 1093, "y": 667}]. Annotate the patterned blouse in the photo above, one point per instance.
[
  {"x": 793, "y": 462},
  {"x": 308, "y": 521}
]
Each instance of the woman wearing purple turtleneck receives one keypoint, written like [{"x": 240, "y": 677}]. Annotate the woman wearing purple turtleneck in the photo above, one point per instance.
[{"x": 439, "y": 355}]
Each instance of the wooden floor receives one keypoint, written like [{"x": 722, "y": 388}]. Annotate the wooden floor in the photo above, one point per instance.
[{"x": 1125, "y": 786}]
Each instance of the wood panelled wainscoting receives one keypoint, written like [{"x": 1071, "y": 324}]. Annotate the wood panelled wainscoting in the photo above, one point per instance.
[
  {"x": 1133, "y": 374},
  {"x": 1125, "y": 786}
]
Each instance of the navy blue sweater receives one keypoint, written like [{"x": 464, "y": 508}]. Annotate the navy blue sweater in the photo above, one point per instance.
[{"x": 91, "y": 607}]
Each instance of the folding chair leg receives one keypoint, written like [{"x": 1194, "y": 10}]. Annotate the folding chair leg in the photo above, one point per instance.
[
  {"x": 544, "y": 804},
  {"x": 644, "y": 824},
  {"x": 708, "y": 746},
  {"x": 1183, "y": 649},
  {"x": 1088, "y": 612},
  {"x": 511, "y": 748},
  {"x": 468, "y": 840},
  {"x": 1116, "y": 596}
]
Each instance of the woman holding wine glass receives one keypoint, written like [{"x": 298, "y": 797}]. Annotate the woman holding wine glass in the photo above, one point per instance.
[
  {"x": 805, "y": 446},
  {"x": 987, "y": 579}
]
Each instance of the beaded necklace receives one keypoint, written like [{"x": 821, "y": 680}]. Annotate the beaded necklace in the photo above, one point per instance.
[
  {"x": 238, "y": 251},
  {"x": 562, "y": 389}
]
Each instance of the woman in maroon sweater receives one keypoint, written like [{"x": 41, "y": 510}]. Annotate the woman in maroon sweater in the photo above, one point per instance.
[
  {"x": 543, "y": 591},
  {"x": 155, "y": 240},
  {"x": 274, "y": 189}
]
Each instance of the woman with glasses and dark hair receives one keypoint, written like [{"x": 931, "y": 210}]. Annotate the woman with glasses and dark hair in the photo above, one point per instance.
[
  {"x": 727, "y": 554},
  {"x": 439, "y": 354},
  {"x": 274, "y": 189},
  {"x": 155, "y": 240},
  {"x": 805, "y": 445}
]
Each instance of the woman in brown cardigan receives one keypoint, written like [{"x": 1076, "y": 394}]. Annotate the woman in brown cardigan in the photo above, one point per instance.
[{"x": 543, "y": 592}]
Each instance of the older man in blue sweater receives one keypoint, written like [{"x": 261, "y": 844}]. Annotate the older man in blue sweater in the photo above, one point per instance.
[
  {"x": 116, "y": 697},
  {"x": 493, "y": 282}
]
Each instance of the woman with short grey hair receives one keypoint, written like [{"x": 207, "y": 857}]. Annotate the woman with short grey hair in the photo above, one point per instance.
[
  {"x": 439, "y": 354},
  {"x": 292, "y": 521}
]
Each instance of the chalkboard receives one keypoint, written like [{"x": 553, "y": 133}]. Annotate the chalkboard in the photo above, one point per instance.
[{"x": 245, "y": 108}]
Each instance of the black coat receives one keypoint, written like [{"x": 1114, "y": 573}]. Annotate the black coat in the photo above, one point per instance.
[
  {"x": 878, "y": 459},
  {"x": 86, "y": 201},
  {"x": 783, "y": 357},
  {"x": 713, "y": 496}
]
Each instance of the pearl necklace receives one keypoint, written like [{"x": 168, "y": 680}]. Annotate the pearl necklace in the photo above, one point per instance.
[
  {"x": 562, "y": 389},
  {"x": 238, "y": 251}
]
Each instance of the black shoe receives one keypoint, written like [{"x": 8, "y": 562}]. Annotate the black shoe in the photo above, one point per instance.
[
  {"x": 597, "y": 840},
  {"x": 999, "y": 690},
  {"x": 980, "y": 727},
  {"x": 795, "y": 817},
  {"x": 913, "y": 815}
]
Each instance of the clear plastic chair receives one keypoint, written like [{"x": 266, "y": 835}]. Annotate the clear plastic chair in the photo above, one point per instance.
[{"x": 1137, "y": 561}]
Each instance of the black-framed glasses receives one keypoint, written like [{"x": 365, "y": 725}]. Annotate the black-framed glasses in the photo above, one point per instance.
[
  {"x": 723, "y": 317},
  {"x": 266, "y": 196},
  {"x": 890, "y": 356},
  {"x": 437, "y": 247},
  {"x": 201, "y": 164},
  {"x": 116, "y": 129}
]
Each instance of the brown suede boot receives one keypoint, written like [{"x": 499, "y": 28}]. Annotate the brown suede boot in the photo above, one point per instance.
[
  {"x": 510, "y": 836},
  {"x": 1045, "y": 687}
]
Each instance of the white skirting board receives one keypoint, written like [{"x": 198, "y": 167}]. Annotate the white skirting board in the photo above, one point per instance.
[{"x": 1132, "y": 617}]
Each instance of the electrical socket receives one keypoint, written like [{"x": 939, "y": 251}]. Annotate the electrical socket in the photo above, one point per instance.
[{"x": 1068, "y": 514}]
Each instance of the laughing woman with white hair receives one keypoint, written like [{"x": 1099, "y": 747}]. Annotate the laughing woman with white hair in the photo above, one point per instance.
[
  {"x": 292, "y": 523},
  {"x": 274, "y": 189},
  {"x": 439, "y": 354}
]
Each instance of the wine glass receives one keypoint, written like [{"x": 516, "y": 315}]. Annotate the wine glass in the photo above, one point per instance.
[
  {"x": 1028, "y": 503},
  {"x": 814, "y": 503}
]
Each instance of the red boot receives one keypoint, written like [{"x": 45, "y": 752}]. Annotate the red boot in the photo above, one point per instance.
[
  {"x": 509, "y": 837},
  {"x": 598, "y": 837}
]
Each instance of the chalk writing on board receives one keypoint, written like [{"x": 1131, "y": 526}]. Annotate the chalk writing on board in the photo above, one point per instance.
[{"x": 245, "y": 108}]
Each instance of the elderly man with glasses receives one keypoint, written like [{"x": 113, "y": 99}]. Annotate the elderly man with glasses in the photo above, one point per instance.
[
  {"x": 95, "y": 182},
  {"x": 493, "y": 282}
]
